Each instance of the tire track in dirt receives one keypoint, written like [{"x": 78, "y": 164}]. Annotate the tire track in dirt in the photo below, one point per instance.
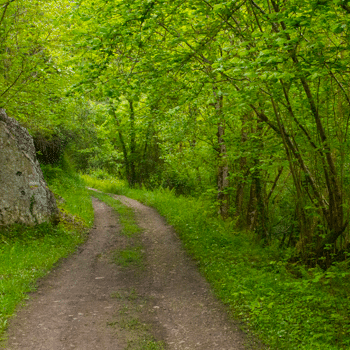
[
  {"x": 190, "y": 315},
  {"x": 73, "y": 304}
]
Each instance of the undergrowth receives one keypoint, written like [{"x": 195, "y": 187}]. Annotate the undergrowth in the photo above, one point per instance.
[
  {"x": 105, "y": 185},
  {"x": 288, "y": 307},
  {"x": 70, "y": 191},
  {"x": 28, "y": 253}
]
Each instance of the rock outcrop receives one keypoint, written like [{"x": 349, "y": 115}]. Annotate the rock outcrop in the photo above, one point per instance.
[{"x": 24, "y": 195}]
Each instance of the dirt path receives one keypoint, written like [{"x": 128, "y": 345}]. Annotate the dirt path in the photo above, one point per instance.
[{"x": 91, "y": 303}]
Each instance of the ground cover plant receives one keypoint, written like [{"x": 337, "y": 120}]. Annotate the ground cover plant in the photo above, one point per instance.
[
  {"x": 28, "y": 253},
  {"x": 70, "y": 191},
  {"x": 288, "y": 306}
]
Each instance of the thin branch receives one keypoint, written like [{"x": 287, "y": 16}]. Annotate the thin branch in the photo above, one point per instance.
[
  {"x": 5, "y": 6},
  {"x": 14, "y": 82},
  {"x": 274, "y": 25},
  {"x": 280, "y": 170}
]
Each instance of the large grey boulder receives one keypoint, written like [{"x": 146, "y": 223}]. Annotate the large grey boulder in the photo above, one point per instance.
[{"x": 24, "y": 195}]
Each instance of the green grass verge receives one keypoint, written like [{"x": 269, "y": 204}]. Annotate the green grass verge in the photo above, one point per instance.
[
  {"x": 105, "y": 185},
  {"x": 28, "y": 253},
  {"x": 126, "y": 215},
  {"x": 311, "y": 312},
  {"x": 71, "y": 188}
]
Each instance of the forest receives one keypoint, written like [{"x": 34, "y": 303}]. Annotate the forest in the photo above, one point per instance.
[{"x": 239, "y": 107}]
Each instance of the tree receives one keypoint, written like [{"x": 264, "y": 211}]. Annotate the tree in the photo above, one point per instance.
[{"x": 260, "y": 88}]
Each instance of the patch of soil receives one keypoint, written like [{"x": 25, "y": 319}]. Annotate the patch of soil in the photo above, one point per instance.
[{"x": 89, "y": 302}]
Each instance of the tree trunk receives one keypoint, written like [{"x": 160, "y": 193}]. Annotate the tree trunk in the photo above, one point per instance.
[
  {"x": 241, "y": 181},
  {"x": 125, "y": 152},
  {"x": 132, "y": 181},
  {"x": 223, "y": 172},
  {"x": 223, "y": 169}
]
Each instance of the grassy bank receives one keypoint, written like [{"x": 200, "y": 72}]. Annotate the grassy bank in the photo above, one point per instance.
[
  {"x": 288, "y": 307},
  {"x": 28, "y": 253}
]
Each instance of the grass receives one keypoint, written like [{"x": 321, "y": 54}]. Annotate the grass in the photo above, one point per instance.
[
  {"x": 307, "y": 310},
  {"x": 105, "y": 185},
  {"x": 129, "y": 257},
  {"x": 148, "y": 344},
  {"x": 133, "y": 323},
  {"x": 69, "y": 189},
  {"x": 29, "y": 253},
  {"x": 130, "y": 295},
  {"x": 126, "y": 215}
]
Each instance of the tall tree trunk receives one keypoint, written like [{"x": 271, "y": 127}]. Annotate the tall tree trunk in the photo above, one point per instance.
[
  {"x": 261, "y": 217},
  {"x": 241, "y": 180},
  {"x": 223, "y": 172},
  {"x": 223, "y": 169},
  {"x": 132, "y": 181},
  {"x": 124, "y": 149}
]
